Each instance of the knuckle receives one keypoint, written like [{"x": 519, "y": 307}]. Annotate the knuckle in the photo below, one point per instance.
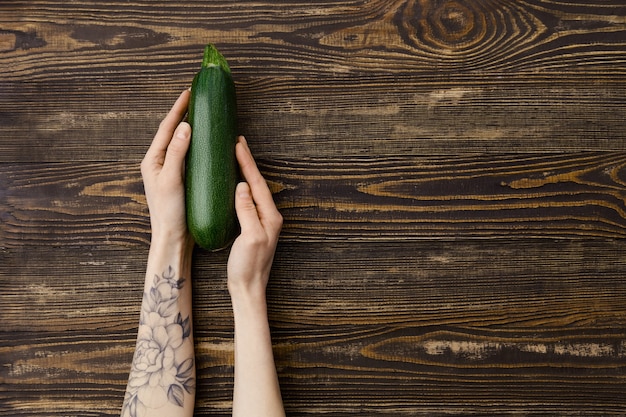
[
  {"x": 163, "y": 124},
  {"x": 277, "y": 220},
  {"x": 144, "y": 166},
  {"x": 256, "y": 240}
]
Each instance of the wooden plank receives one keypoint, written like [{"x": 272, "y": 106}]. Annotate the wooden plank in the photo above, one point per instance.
[
  {"x": 317, "y": 37},
  {"x": 527, "y": 326},
  {"x": 50, "y": 203},
  {"x": 524, "y": 284},
  {"x": 85, "y": 373},
  {"x": 494, "y": 196},
  {"x": 325, "y": 117},
  {"x": 409, "y": 370},
  {"x": 74, "y": 289},
  {"x": 330, "y": 117},
  {"x": 504, "y": 284},
  {"x": 321, "y": 79},
  {"x": 388, "y": 198}
]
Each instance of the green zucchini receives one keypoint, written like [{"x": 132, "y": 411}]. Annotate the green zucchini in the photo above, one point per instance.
[{"x": 211, "y": 168}]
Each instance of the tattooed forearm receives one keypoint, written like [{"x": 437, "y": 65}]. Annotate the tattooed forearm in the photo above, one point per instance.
[{"x": 163, "y": 366}]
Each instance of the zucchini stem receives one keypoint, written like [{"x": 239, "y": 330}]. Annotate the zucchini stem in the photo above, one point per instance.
[{"x": 212, "y": 58}]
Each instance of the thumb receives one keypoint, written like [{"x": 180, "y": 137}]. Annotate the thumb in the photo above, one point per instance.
[
  {"x": 177, "y": 148},
  {"x": 246, "y": 210}
]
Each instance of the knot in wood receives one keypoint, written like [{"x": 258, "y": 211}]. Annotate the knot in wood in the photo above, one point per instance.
[
  {"x": 454, "y": 21},
  {"x": 449, "y": 26}
]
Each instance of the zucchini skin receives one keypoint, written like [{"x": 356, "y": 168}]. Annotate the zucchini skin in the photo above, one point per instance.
[{"x": 211, "y": 167}]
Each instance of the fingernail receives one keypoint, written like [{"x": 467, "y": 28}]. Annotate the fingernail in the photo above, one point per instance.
[
  {"x": 182, "y": 131},
  {"x": 243, "y": 190}
]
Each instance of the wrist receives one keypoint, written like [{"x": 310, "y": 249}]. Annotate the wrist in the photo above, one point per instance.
[
  {"x": 169, "y": 249},
  {"x": 249, "y": 298},
  {"x": 169, "y": 232}
]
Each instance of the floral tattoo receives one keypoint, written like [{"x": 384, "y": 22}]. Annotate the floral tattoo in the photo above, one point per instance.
[{"x": 162, "y": 370}]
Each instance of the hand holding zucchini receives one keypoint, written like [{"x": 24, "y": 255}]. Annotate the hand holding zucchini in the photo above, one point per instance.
[{"x": 211, "y": 166}]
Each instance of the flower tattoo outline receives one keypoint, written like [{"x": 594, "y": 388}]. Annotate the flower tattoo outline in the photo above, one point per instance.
[{"x": 160, "y": 371}]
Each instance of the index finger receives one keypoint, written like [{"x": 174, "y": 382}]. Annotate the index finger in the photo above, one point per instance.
[
  {"x": 261, "y": 193},
  {"x": 169, "y": 123}
]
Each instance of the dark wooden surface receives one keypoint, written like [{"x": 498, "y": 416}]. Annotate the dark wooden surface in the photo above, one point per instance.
[{"x": 452, "y": 175}]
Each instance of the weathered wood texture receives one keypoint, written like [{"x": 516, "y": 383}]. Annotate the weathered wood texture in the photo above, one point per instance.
[
  {"x": 387, "y": 198},
  {"x": 452, "y": 176}
]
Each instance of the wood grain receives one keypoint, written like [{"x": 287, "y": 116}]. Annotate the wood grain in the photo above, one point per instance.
[
  {"x": 530, "y": 327},
  {"x": 531, "y": 283},
  {"x": 355, "y": 36},
  {"x": 375, "y": 371},
  {"x": 321, "y": 79},
  {"x": 452, "y": 176},
  {"x": 391, "y": 198}
]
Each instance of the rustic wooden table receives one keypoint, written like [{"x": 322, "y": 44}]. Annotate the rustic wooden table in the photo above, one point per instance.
[{"x": 452, "y": 174}]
